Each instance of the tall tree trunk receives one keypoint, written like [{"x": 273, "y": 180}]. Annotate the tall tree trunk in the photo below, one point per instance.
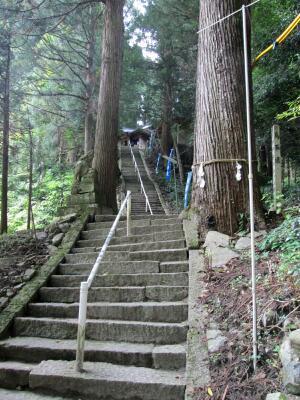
[
  {"x": 166, "y": 140},
  {"x": 30, "y": 168},
  {"x": 89, "y": 124},
  {"x": 106, "y": 140},
  {"x": 220, "y": 128},
  {"x": 5, "y": 148}
]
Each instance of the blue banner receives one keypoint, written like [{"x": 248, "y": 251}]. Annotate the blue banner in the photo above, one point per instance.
[
  {"x": 158, "y": 163},
  {"x": 187, "y": 189},
  {"x": 169, "y": 167}
]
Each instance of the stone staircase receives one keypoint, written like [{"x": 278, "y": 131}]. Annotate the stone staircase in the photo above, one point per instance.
[
  {"x": 137, "y": 317},
  {"x": 132, "y": 183}
]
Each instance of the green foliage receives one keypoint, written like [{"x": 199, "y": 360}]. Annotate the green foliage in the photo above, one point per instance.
[
  {"x": 286, "y": 241},
  {"x": 293, "y": 112},
  {"x": 49, "y": 193}
]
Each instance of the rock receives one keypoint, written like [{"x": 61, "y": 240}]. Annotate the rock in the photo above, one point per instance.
[
  {"x": 3, "y": 302},
  {"x": 295, "y": 341},
  {"x": 269, "y": 318},
  {"x": 9, "y": 293},
  {"x": 56, "y": 241},
  {"x": 52, "y": 249},
  {"x": 215, "y": 340},
  {"x": 243, "y": 243},
  {"x": 276, "y": 396},
  {"x": 64, "y": 227},
  {"x": 221, "y": 255},
  {"x": 218, "y": 239},
  {"x": 291, "y": 377},
  {"x": 29, "y": 273},
  {"x": 41, "y": 235},
  {"x": 286, "y": 353}
]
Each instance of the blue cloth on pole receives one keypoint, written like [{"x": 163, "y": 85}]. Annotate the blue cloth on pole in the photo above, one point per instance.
[
  {"x": 187, "y": 189},
  {"x": 169, "y": 166},
  {"x": 158, "y": 163}
]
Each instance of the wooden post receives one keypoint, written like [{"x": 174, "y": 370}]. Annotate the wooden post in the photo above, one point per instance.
[{"x": 277, "y": 170}]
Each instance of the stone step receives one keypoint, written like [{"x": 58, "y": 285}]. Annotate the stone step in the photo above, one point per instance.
[
  {"x": 14, "y": 374},
  {"x": 142, "y": 311},
  {"x": 177, "y": 279},
  {"x": 120, "y": 267},
  {"x": 152, "y": 237},
  {"x": 25, "y": 395},
  {"x": 105, "y": 218},
  {"x": 139, "y": 230},
  {"x": 174, "y": 266},
  {"x": 135, "y": 222},
  {"x": 103, "y": 330},
  {"x": 108, "y": 381},
  {"x": 151, "y": 255},
  {"x": 160, "y": 255},
  {"x": 35, "y": 350},
  {"x": 167, "y": 244},
  {"x": 125, "y": 267},
  {"x": 115, "y": 294}
]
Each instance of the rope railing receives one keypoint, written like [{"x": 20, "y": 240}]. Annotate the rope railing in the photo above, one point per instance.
[
  {"x": 85, "y": 286},
  {"x": 148, "y": 206}
]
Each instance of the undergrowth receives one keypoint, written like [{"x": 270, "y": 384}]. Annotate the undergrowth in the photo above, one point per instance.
[{"x": 50, "y": 192}]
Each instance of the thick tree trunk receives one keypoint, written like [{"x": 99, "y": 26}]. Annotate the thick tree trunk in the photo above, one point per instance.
[
  {"x": 106, "y": 140},
  {"x": 89, "y": 125},
  {"x": 220, "y": 128},
  {"x": 30, "y": 170},
  {"x": 5, "y": 146}
]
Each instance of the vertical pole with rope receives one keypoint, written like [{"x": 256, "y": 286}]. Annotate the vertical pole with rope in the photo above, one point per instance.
[{"x": 251, "y": 196}]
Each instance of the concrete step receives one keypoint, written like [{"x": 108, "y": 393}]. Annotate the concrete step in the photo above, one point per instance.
[
  {"x": 152, "y": 255},
  {"x": 108, "y": 381},
  {"x": 115, "y": 294},
  {"x": 120, "y": 267},
  {"x": 177, "y": 279},
  {"x": 35, "y": 350},
  {"x": 138, "y": 230},
  {"x": 166, "y": 244},
  {"x": 103, "y": 330},
  {"x": 14, "y": 374},
  {"x": 142, "y": 311},
  {"x": 152, "y": 237},
  {"x": 26, "y": 395}
]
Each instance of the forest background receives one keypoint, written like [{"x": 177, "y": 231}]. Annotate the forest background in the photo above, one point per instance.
[{"x": 50, "y": 58}]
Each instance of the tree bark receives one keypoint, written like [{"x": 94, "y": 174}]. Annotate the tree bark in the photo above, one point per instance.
[
  {"x": 166, "y": 140},
  {"x": 5, "y": 148},
  {"x": 89, "y": 123},
  {"x": 30, "y": 168},
  {"x": 106, "y": 140},
  {"x": 220, "y": 126}
]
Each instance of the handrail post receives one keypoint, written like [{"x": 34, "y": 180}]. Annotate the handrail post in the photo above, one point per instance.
[
  {"x": 81, "y": 325},
  {"x": 129, "y": 214}
]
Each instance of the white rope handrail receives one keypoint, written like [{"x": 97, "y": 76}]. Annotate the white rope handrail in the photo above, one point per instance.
[
  {"x": 85, "y": 286},
  {"x": 140, "y": 179}
]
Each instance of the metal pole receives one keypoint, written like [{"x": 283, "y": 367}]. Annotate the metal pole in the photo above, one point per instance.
[
  {"x": 81, "y": 325},
  {"x": 129, "y": 214},
  {"x": 251, "y": 197}
]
